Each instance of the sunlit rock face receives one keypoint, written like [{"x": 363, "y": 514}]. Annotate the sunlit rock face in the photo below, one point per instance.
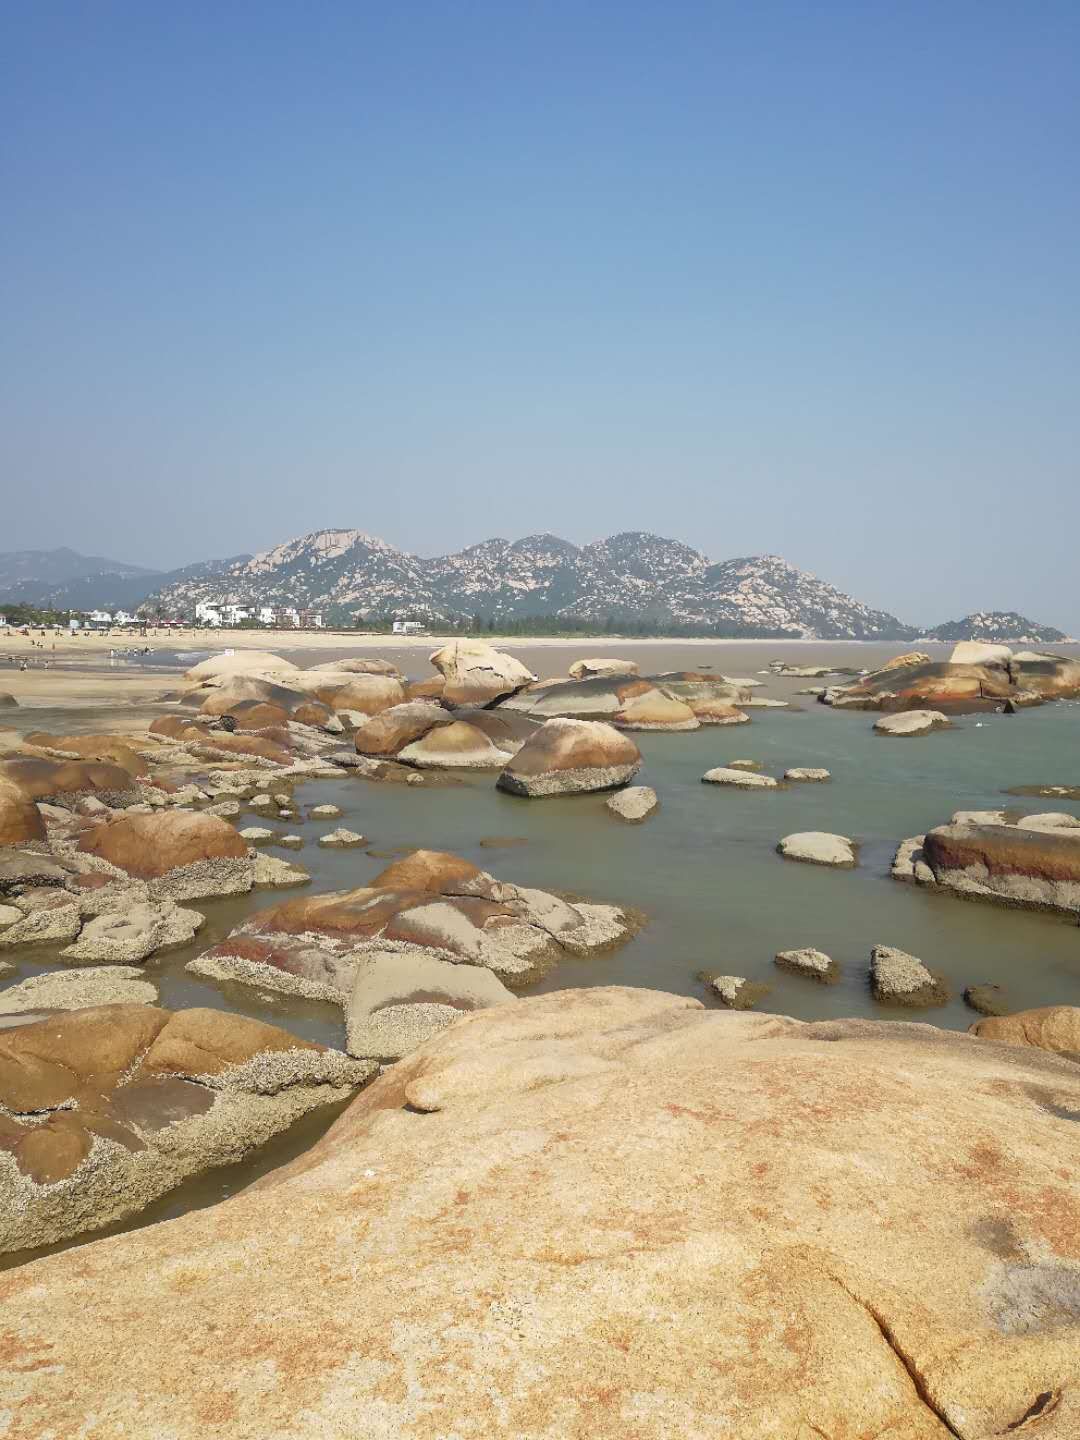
[{"x": 606, "y": 1213}]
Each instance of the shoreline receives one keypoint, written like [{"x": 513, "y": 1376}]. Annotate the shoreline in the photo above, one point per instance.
[{"x": 66, "y": 646}]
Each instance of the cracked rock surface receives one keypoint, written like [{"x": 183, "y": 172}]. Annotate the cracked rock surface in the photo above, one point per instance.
[{"x": 558, "y": 1218}]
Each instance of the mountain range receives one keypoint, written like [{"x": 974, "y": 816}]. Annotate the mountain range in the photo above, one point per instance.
[{"x": 632, "y": 579}]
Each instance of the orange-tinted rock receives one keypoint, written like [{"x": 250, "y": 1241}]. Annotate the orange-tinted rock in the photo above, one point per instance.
[
  {"x": 150, "y": 846},
  {"x": 20, "y": 818},
  {"x": 569, "y": 756},
  {"x": 93, "y": 747},
  {"x": 41, "y": 779},
  {"x": 925, "y": 686},
  {"x": 1037, "y": 869},
  {"x": 311, "y": 712},
  {"x": 436, "y": 870},
  {"x": 120, "y": 1072},
  {"x": 457, "y": 746},
  {"x": 426, "y": 689},
  {"x": 606, "y": 1214},
  {"x": 358, "y": 913},
  {"x": 267, "y": 747},
  {"x": 173, "y": 726},
  {"x": 207, "y": 1042},
  {"x": 1055, "y": 1028},
  {"x": 258, "y": 715},
  {"x": 393, "y": 729},
  {"x": 244, "y": 688},
  {"x": 717, "y": 712},
  {"x": 368, "y": 694},
  {"x": 652, "y": 709}
]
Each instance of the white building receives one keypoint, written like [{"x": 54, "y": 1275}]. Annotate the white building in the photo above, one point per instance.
[
  {"x": 207, "y": 613},
  {"x": 409, "y": 627}
]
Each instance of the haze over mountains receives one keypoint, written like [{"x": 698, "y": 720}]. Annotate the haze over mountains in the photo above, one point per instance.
[{"x": 630, "y": 578}]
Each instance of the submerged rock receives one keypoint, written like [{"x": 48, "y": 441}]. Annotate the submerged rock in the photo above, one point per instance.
[
  {"x": 807, "y": 774},
  {"x": 737, "y": 992},
  {"x": 986, "y": 999},
  {"x": 431, "y": 1266},
  {"x": 742, "y": 779},
  {"x": 341, "y": 838}
]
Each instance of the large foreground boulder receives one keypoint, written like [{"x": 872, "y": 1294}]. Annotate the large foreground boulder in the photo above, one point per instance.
[
  {"x": 607, "y": 1213},
  {"x": 566, "y": 757},
  {"x": 478, "y": 674},
  {"x": 1032, "y": 863},
  {"x": 104, "y": 1109}
]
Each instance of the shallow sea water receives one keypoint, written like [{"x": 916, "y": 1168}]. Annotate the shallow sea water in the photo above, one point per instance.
[{"x": 704, "y": 868}]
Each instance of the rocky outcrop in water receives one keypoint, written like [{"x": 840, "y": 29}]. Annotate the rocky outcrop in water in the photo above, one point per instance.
[
  {"x": 431, "y": 906},
  {"x": 1031, "y": 863},
  {"x": 500, "y": 1236},
  {"x": 103, "y": 1110},
  {"x": 567, "y": 757},
  {"x": 912, "y": 722},
  {"x": 478, "y": 674},
  {"x": 817, "y": 847},
  {"x": 978, "y": 676}
]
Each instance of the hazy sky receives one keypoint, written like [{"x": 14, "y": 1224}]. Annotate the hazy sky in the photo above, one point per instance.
[{"x": 784, "y": 277}]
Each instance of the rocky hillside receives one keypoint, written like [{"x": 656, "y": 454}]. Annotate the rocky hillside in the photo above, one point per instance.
[
  {"x": 66, "y": 580},
  {"x": 997, "y": 625},
  {"x": 630, "y": 577}
]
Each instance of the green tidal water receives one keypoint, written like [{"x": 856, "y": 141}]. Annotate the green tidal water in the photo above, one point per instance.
[{"x": 704, "y": 868}]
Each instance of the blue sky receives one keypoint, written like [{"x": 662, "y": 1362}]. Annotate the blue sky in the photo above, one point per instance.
[{"x": 772, "y": 277}]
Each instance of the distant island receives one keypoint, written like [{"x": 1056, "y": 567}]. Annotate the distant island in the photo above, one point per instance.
[{"x": 634, "y": 584}]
